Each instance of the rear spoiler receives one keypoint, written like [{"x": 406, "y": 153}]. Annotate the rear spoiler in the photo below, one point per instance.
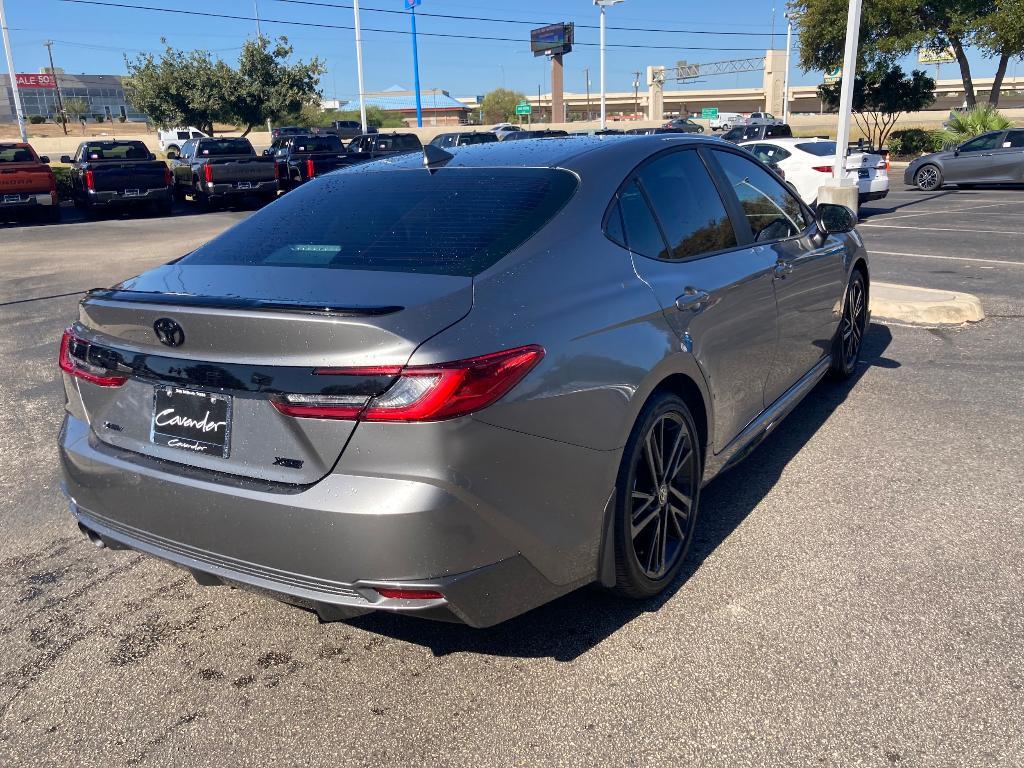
[{"x": 235, "y": 302}]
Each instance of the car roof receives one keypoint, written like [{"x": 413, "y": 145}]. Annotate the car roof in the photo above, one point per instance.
[
  {"x": 549, "y": 152},
  {"x": 787, "y": 141}
]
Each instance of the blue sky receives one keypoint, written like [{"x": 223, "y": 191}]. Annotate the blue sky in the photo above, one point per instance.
[{"x": 93, "y": 39}]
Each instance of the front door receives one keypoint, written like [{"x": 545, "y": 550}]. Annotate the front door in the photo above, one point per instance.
[
  {"x": 715, "y": 289},
  {"x": 973, "y": 162},
  {"x": 808, "y": 279}
]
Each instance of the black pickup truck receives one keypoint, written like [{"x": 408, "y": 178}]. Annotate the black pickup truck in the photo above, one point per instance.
[
  {"x": 374, "y": 146},
  {"x": 109, "y": 174},
  {"x": 214, "y": 170},
  {"x": 301, "y": 158}
]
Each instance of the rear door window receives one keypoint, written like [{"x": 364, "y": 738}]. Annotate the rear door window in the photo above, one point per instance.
[
  {"x": 688, "y": 206},
  {"x": 456, "y": 221},
  {"x": 771, "y": 211},
  {"x": 1014, "y": 140},
  {"x": 638, "y": 225},
  {"x": 182, "y": 135}
]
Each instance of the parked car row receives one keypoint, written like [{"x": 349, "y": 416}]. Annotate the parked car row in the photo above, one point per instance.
[{"x": 208, "y": 171}]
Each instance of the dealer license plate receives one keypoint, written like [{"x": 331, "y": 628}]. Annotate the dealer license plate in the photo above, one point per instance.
[{"x": 197, "y": 422}]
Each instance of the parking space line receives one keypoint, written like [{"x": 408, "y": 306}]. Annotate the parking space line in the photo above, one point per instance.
[
  {"x": 944, "y": 229},
  {"x": 951, "y": 210},
  {"x": 946, "y": 258}
]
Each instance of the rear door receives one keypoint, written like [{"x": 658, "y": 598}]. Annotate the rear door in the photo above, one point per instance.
[
  {"x": 808, "y": 279},
  {"x": 714, "y": 287},
  {"x": 1007, "y": 161}
]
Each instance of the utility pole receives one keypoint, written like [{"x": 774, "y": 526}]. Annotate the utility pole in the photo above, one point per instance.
[
  {"x": 603, "y": 4},
  {"x": 359, "y": 65},
  {"x": 56, "y": 84},
  {"x": 785, "y": 81},
  {"x": 636, "y": 93},
  {"x": 10, "y": 71},
  {"x": 411, "y": 5},
  {"x": 586, "y": 74}
]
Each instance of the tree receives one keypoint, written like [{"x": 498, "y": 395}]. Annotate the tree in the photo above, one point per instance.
[
  {"x": 75, "y": 107},
  {"x": 268, "y": 87},
  {"x": 891, "y": 29},
  {"x": 500, "y": 105},
  {"x": 966, "y": 125},
  {"x": 1002, "y": 35},
  {"x": 880, "y": 96},
  {"x": 192, "y": 88}
]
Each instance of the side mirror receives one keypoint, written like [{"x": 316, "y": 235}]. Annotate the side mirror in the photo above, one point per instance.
[
  {"x": 44, "y": 159},
  {"x": 151, "y": 156},
  {"x": 956, "y": 151},
  {"x": 835, "y": 219},
  {"x": 64, "y": 159}
]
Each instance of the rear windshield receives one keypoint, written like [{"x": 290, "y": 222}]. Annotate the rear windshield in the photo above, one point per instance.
[
  {"x": 15, "y": 155},
  {"x": 215, "y": 147},
  {"x": 116, "y": 150},
  {"x": 384, "y": 142},
  {"x": 819, "y": 148},
  {"x": 327, "y": 143},
  {"x": 457, "y": 221}
]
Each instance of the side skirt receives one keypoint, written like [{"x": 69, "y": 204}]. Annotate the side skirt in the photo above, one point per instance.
[{"x": 747, "y": 440}]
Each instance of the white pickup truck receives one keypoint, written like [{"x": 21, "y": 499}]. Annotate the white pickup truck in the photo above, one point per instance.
[{"x": 171, "y": 139}]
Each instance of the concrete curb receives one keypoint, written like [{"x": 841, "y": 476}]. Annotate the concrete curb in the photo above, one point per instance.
[{"x": 923, "y": 306}]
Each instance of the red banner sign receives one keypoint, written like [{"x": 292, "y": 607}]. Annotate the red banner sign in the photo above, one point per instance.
[{"x": 36, "y": 81}]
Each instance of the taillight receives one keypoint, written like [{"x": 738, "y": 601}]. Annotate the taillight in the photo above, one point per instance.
[
  {"x": 422, "y": 392},
  {"x": 75, "y": 360},
  {"x": 90, "y": 180},
  {"x": 208, "y": 173},
  {"x": 168, "y": 177},
  {"x": 822, "y": 168},
  {"x": 310, "y": 168}
]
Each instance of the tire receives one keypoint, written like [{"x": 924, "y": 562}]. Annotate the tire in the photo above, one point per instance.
[
  {"x": 849, "y": 338},
  {"x": 172, "y": 152},
  {"x": 928, "y": 178},
  {"x": 653, "y": 527}
]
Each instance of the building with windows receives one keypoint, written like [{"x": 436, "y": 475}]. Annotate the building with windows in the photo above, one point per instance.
[
  {"x": 437, "y": 106},
  {"x": 103, "y": 93}
]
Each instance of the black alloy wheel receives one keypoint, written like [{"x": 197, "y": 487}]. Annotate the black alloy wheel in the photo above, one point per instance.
[
  {"x": 658, "y": 495},
  {"x": 928, "y": 178},
  {"x": 850, "y": 334}
]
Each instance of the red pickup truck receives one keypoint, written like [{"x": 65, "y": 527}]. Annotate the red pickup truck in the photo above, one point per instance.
[{"x": 27, "y": 184}]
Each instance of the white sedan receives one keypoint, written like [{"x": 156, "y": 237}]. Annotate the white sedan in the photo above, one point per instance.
[{"x": 807, "y": 164}]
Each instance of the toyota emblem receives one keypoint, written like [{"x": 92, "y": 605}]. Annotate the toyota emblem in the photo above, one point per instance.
[{"x": 169, "y": 332}]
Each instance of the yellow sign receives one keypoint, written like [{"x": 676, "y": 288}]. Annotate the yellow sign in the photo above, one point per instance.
[{"x": 935, "y": 55}]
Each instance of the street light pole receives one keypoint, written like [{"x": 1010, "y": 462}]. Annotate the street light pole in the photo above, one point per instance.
[
  {"x": 10, "y": 72},
  {"x": 846, "y": 90},
  {"x": 359, "y": 65},
  {"x": 586, "y": 74},
  {"x": 785, "y": 81},
  {"x": 636, "y": 94},
  {"x": 411, "y": 5},
  {"x": 56, "y": 85},
  {"x": 603, "y": 4}
]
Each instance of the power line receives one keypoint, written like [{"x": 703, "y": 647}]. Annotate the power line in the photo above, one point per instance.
[
  {"x": 321, "y": 25},
  {"x": 492, "y": 19}
]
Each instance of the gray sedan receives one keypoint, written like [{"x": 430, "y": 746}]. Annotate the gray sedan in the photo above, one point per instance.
[
  {"x": 508, "y": 377},
  {"x": 992, "y": 158}
]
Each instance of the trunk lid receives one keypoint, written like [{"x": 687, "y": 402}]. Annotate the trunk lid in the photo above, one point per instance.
[
  {"x": 118, "y": 177},
  {"x": 249, "y": 339},
  {"x": 23, "y": 179},
  {"x": 227, "y": 169}
]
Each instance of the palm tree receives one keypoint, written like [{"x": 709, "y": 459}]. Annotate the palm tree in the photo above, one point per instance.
[{"x": 966, "y": 125}]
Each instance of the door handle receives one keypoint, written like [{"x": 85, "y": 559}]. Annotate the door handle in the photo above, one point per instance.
[
  {"x": 783, "y": 268},
  {"x": 692, "y": 298}
]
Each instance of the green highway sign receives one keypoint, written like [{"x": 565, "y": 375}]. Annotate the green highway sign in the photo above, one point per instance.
[
  {"x": 709, "y": 113},
  {"x": 523, "y": 108}
]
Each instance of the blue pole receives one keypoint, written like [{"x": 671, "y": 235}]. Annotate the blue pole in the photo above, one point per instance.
[{"x": 416, "y": 71}]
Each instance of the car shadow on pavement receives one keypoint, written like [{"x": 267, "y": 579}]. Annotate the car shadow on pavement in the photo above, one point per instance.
[{"x": 568, "y": 627}]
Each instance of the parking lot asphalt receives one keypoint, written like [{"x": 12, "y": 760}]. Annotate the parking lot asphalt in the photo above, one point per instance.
[{"x": 855, "y": 593}]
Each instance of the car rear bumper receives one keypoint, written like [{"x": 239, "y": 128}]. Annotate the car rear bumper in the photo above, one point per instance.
[
  {"x": 874, "y": 195},
  {"x": 326, "y": 545},
  {"x": 25, "y": 200},
  {"x": 121, "y": 197},
  {"x": 255, "y": 188}
]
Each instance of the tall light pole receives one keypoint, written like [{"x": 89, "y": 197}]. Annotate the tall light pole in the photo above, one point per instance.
[
  {"x": 411, "y": 5},
  {"x": 846, "y": 90},
  {"x": 785, "y": 81},
  {"x": 603, "y": 4},
  {"x": 636, "y": 93},
  {"x": 11, "y": 73},
  {"x": 586, "y": 75},
  {"x": 359, "y": 65}
]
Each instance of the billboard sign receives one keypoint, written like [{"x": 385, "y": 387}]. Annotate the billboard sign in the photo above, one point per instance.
[
  {"x": 36, "y": 81},
  {"x": 936, "y": 55},
  {"x": 552, "y": 40},
  {"x": 834, "y": 76}
]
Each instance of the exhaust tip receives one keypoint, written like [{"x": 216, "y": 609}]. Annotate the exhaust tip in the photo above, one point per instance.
[{"x": 93, "y": 536}]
